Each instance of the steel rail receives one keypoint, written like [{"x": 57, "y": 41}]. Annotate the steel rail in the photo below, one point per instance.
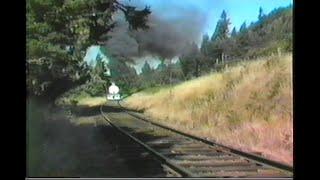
[
  {"x": 249, "y": 156},
  {"x": 180, "y": 170}
]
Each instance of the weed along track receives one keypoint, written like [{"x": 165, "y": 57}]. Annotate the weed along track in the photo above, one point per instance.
[{"x": 185, "y": 155}]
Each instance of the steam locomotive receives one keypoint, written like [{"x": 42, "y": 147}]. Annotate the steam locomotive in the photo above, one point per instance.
[{"x": 113, "y": 93}]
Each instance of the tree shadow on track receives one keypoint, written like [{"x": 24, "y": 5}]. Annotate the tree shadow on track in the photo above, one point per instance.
[
  {"x": 92, "y": 111},
  {"x": 91, "y": 150}
]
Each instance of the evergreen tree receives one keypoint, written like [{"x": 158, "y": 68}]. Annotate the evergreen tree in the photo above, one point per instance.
[
  {"x": 190, "y": 61},
  {"x": 261, "y": 14},
  {"x": 243, "y": 27},
  {"x": 205, "y": 44},
  {"x": 100, "y": 68},
  {"x": 162, "y": 66},
  {"x": 222, "y": 28},
  {"x": 124, "y": 75},
  {"x": 234, "y": 32},
  {"x": 146, "y": 69}
]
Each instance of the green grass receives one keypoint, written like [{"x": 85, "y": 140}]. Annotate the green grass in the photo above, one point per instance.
[{"x": 81, "y": 98}]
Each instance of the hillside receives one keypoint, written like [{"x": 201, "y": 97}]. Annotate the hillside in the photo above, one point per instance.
[
  {"x": 260, "y": 38},
  {"x": 248, "y": 106},
  {"x": 273, "y": 32}
]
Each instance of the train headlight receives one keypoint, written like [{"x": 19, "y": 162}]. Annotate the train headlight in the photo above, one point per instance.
[{"x": 113, "y": 89}]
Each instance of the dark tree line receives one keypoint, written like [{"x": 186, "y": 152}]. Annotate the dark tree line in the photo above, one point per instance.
[
  {"x": 126, "y": 77},
  {"x": 163, "y": 74},
  {"x": 264, "y": 37}
]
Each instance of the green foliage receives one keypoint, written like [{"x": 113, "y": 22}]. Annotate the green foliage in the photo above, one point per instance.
[
  {"x": 161, "y": 67},
  {"x": 205, "y": 44},
  {"x": 100, "y": 69},
  {"x": 96, "y": 89},
  {"x": 264, "y": 37},
  {"x": 271, "y": 33},
  {"x": 146, "y": 69},
  {"x": 261, "y": 15},
  {"x": 147, "y": 76},
  {"x": 222, "y": 30},
  {"x": 165, "y": 73},
  {"x": 190, "y": 61},
  {"x": 58, "y": 35},
  {"x": 122, "y": 74},
  {"x": 243, "y": 27},
  {"x": 89, "y": 89},
  {"x": 198, "y": 62},
  {"x": 234, "y": 32},
  {"x": 74, "y": 102}
]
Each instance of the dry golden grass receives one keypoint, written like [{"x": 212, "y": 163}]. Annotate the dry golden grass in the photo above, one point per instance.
[
  {"x": 92, "y": 101},
  {"x": 248, "y": 106}
]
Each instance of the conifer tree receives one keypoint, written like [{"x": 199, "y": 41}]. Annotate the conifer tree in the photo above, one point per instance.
[
  {"x": 243, "y": 27},
  {"x": 261, "y": 14},
  {"x": 205, "y": 44},
  {"x": 234, "y": 32},
  {"x": 222, "y": 28},
  {"x": 146, "y": 69}
]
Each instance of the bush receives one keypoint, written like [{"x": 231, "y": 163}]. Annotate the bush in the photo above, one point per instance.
[
  {"x": 74, "y": 102},
  {"x": 86, "y": 91},
  {"x": 96, "y": 89}
]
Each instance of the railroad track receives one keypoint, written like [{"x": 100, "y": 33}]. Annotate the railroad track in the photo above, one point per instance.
[{"x": 190, "y": 156}]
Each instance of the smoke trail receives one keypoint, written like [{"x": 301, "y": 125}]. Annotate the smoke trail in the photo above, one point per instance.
[{"x": 169, "y": 33}]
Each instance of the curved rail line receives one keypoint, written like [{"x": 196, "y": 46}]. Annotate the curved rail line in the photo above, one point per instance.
[{"x": 192, "y": 156}]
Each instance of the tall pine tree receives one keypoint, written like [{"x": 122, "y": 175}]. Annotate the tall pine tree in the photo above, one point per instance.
[
  {"x": 234, "y": 32},
  {"x": 162, "y": 66},
  {"x": 100, "y": 68},
  {"x": 222, "y": 28},
  {"x": 205, "y": 44},
  {"x": 243, "y": 27},
  {"x": 146, "y": 69},
  {"x": 261, "y": 15}
]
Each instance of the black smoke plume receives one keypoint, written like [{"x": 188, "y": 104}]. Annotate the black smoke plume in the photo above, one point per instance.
[{"x": 169, "y": 33}]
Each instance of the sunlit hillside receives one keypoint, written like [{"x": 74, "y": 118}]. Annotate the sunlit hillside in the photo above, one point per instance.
[{"x": 248, "y": 106}]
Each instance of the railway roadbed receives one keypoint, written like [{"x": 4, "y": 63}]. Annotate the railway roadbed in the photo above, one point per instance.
[
  {"x": 188, "y": 156},
  {"x": 87, "y": 146}
]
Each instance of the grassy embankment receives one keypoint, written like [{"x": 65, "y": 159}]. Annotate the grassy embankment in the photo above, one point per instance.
[
  {"x": 247, "y": 106},
  {"x": 81, "y": 99}
]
